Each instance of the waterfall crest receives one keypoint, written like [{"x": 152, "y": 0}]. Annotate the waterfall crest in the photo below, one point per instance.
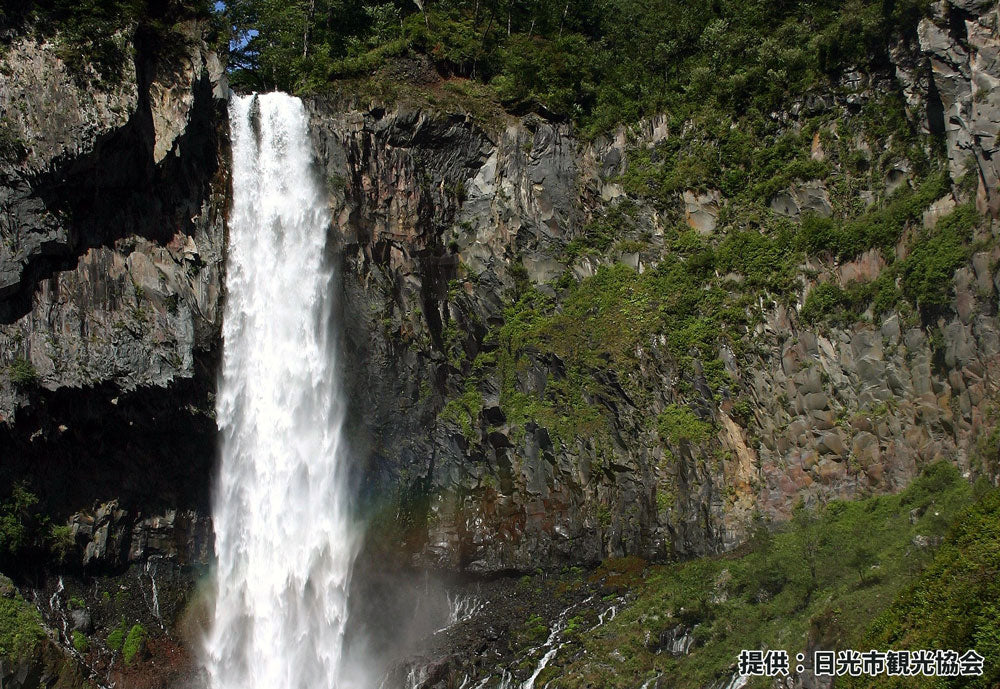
[{"x": 283, "y": 534}]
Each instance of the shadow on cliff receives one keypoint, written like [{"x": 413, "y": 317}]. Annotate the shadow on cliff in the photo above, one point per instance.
[
  {"x": 152, "y": 448},
  {"x": 118, "y": 190}
]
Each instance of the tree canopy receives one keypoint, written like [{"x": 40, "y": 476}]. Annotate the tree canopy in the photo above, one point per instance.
[{"x": 598, "y": 62}]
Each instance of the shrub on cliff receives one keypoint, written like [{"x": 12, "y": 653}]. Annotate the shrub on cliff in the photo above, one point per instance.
[
  {"x": 27, "y": 535},
  {"x": 19, "y": 521},
  {"x": 934, "y": 257},
  {"x": 22, "y": 373},
  {"x": 677, "y": 423}
]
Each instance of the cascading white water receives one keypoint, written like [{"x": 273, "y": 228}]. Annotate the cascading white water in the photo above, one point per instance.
[{"x": 283, "y": 533}]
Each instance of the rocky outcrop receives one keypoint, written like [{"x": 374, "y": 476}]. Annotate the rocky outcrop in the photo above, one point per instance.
[
  {"x": 110, "y": 264},
  {"x": 425, "y": 205},
  {"x": 804, "y": 199},
  {"x": 963, "y": 48}
]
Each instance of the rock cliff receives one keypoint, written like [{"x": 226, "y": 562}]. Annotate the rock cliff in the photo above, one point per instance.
[
  {"x": 445, "y": 221},
  {"x": 113, "y": 195}
]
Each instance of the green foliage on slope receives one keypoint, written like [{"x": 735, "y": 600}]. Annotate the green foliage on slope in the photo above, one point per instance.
[
  {"x": 825, "y": 575},
  {"x": 116, "y": 638},
  {"x": 597, "y": 331},
  {"x": 20, "y": 624},
  {"x": 954, "y": 603},
  {"x": 879, "y": 228}
]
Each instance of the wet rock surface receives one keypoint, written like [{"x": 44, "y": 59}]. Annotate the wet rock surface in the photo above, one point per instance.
[{"x": 505, "y": 638}]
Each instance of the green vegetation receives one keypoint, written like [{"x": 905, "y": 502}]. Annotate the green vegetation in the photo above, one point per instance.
[
  {"x": 116, "y": 639},
  {"x": 676, "y": 423},
  {"x": 879, "y": 228},
  {"x": 22, "y": 373},
  {"x": 534, "y": 631},
  {"x": 600, "y": 233},
  {"x": 134, "y": 643},
  {"x": 464, "y": 410},
  {"x": 748, "y": 162},
  {"x": 602, "y": 324},
  {"x": 926, "y": 275},
  {"x": 20, "y": 625},
  {"x": 827, "y": 301},
  {"x": 76, "y": 603},
  {"x": 61, "y": 542},
  {"x": 18, "y": 521},
  {"x": 27, "y": 535},
  {"x": 599, "y": 63},
  {"x": 80, "y": 641},
  {"x": 955, "y": 602},
  {"x": 928, "y": 270},
  {"x": 827, "y": 574}
]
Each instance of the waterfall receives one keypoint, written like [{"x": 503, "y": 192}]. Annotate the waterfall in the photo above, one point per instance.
[{"x": 283, "y": 536}]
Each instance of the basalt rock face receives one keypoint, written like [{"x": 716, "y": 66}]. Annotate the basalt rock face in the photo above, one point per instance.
[
  {"x": 113, "y": 195},
  {"x": 963, "y": 47},
  {"x": 440, "y": 221},
  {"x": 113, "y": 202},
  {"x": 422, "y": 202}
]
